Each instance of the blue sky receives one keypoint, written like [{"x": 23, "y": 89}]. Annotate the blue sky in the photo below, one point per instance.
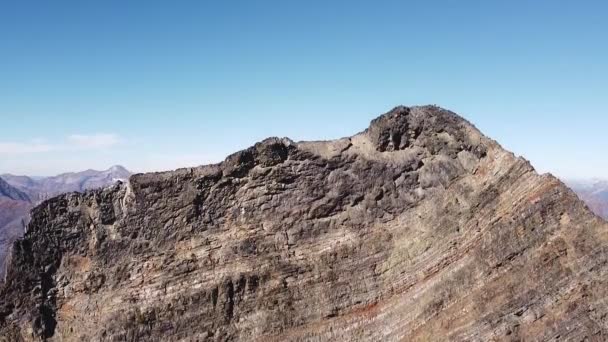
[{"x": 157, "y": 85}]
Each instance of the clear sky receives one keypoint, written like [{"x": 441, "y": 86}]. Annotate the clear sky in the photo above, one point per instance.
[{"x": 156, "y": 85}]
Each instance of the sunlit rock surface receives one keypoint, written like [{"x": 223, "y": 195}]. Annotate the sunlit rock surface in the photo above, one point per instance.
[{"x": 418, "y": 229}]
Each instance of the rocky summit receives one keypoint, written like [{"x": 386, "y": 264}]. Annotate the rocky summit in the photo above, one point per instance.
[{"x": 420, "y": 228}]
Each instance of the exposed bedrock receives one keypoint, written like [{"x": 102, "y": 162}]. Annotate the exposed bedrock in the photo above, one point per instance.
[{"x": 418, "y": 229}]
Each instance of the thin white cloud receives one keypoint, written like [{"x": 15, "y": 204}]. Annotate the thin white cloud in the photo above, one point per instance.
[
  {"x": 72, "y": 142},
  {"x": 93, "y": 141},
  {"x": 7, "y": 148}
]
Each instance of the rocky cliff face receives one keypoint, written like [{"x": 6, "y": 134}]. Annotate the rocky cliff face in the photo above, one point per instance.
[
  {"x": 418, "y": 229},
  {"x": 19, "y": 194}
]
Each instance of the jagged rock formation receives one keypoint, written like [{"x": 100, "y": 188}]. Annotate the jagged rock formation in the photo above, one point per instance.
[
  {"x": 418, "y": 229},
  {"x": 19, "y": 194}
]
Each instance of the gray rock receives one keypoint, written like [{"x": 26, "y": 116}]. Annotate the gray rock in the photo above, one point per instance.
[
  {"x": 19, "y": 194},
  {"x": 418, "y": 229}
]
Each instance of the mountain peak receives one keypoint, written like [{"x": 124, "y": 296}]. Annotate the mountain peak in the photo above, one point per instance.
[
  {"x": 420, "y": 228},
  {"x": 118, "y": 169},
  {"x": 402, "y": 126}
]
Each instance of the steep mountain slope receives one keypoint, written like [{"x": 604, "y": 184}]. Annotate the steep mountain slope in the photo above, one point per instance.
[
  {"x": 19, "y": 194},
  {"x": 594, "y": 193},
  {"x": 14, "y": 206},
  {"x": 13, "y": 216},
  {"x": 11, "y": 193},
  {"x": 418, "y": 229}
]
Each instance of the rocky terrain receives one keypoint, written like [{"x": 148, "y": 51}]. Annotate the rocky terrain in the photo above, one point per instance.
[
  {"x": 594, "y": 193},
  {"x": 418, "y": 229},
  {"x": 19, "y": 194}
]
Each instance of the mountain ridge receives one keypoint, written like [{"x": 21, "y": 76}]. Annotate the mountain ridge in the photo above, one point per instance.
[
  {"x": 10, "y": 192},
  {"x": 419, "y": 228},
  {"x": 19, "y": 194},
  {"x": 40, "y": 188},
  {"x": 594, "y": 193}
]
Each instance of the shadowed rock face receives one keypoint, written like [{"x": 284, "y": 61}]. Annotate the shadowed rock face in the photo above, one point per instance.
[
  {"x": 18, "y": 194},
  {"x": 418, "y": 229}
]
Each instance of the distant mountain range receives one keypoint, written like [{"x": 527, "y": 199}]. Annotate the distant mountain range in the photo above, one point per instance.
[
  {"x": 14, "y": 206},
  {"x": 19, "y": 194},
  {"x": 39, "y": 189},
  {"x": 594, "y": 193},
  {"x": 7, "y": 191}
]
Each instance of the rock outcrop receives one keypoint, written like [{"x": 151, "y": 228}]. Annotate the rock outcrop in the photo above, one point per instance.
[
  {"x": 19, "y": 194},
  {"x": 418, "y": 229}
]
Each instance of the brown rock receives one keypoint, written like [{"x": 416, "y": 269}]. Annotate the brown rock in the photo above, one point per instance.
[{"x": 418, "y": 229}]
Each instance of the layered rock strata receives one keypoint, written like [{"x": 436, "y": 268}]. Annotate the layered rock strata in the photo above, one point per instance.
[{"x": 418, "y": 229}]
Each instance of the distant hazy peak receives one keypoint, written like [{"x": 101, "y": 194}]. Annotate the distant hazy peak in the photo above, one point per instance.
[
  {"x": 118, "y": 168},
  {"x": 10, "y": 192},
  {"x": 45, "y": 187}
]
